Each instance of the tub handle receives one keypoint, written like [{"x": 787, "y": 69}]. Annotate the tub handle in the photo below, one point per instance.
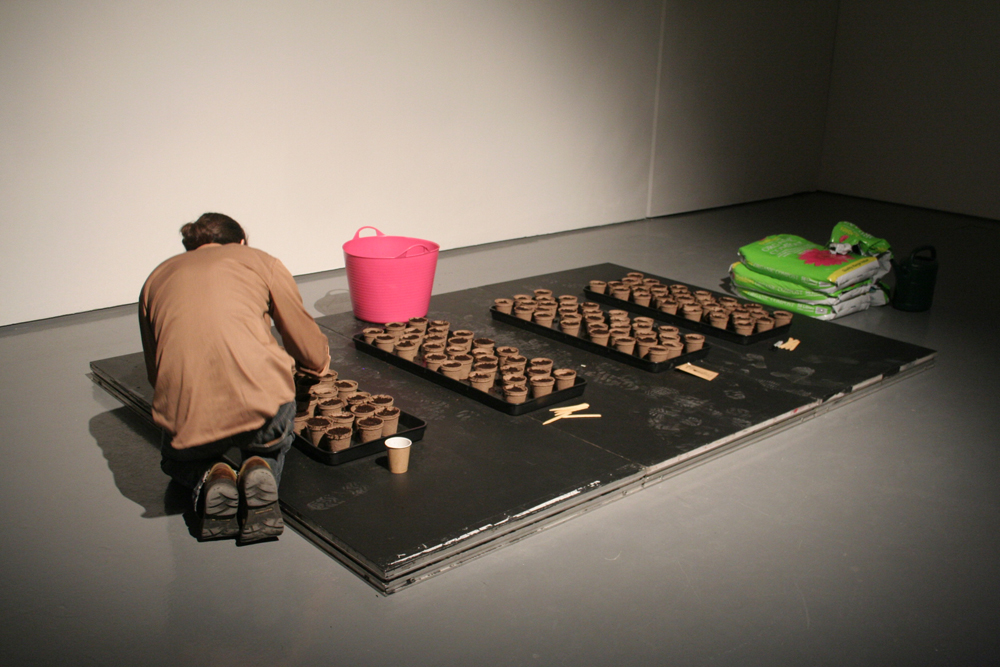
[
  {"x": 415, "y": 245},
  {"x": 357, "y": 234}
]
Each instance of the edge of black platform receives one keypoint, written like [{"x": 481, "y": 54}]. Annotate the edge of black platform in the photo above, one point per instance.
[
  {"x": 391, "y": 578},
  {"x": 99, "y": 377}
]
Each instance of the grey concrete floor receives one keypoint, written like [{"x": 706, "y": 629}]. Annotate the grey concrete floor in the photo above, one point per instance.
[{"x": 869, "y": 535}]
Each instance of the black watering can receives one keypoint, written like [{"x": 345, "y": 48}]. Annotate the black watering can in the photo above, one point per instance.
[{"x": 915, "y": 278}]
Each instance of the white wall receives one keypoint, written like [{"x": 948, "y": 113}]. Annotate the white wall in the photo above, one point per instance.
[
  {"x": 742, "y": 101},
  {"x": 463, "y": 122},
  {"x": 914, "y": 112}
]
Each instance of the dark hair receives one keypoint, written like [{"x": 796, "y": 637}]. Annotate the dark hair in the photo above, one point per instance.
[{"x": 211, "y": 228}]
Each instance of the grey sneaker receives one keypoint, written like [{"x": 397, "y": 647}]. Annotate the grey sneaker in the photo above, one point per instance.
[
  {"x": 218, "y": 504},
  {"x": 260, "y": 516}
]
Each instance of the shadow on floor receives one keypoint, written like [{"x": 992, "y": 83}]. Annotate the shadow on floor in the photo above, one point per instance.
[
  {"x": 131, "y": 446},
  {"x": 335, "y": 301}
]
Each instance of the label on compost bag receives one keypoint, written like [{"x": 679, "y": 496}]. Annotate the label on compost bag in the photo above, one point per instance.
[
  {"x": 805, "y": 263},
  {"x": 745, "y": 277}
]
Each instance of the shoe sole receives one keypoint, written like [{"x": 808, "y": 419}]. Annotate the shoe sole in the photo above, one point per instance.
[
  {"x": 220, "y": 520},
  {"x": 262, "y": 518}
]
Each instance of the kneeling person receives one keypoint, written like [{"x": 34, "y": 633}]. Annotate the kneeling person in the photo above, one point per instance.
[{"x": 219, "y": 377}]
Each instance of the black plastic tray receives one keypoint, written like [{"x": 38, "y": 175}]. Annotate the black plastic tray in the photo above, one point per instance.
[
  {"x": 490, "y": 399},
  {"x": 409, "y": 427},
  {"x": 603, "y": 350},
  {"x": 681, "y": 321}
]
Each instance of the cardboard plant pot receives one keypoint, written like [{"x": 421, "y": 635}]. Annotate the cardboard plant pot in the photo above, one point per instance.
[
  {"x": 370, "y": 428},
  {"x": 434, "y": 361},
  {"x": 515, "y": 393},
  {"x": 625, "y": 344},
  {"x": 598, "y": 286},
  {"x": 481, "y": 380},
  {"x": 564, "y": 377},
  {"x": 541, "y": 385},
  {"x": 693, "y": 342},
  {"x": 346, "y": 388},
  {"x": 317, "y": 426},
  {"x": 337, "y": 438},
  {"x": 390, "y": 420}
]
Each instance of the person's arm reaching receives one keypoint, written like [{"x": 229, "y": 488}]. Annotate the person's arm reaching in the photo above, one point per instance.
[{"x": 299, "y": 332}]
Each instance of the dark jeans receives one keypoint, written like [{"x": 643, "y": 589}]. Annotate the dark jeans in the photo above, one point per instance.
[{"x": 189, "y": 467}]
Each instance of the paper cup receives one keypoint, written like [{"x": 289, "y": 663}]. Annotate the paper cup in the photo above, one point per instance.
[{"x": 399, "y": 453}]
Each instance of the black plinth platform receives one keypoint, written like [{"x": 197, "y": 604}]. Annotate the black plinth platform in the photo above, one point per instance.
[{"x": 481, "y": 479}]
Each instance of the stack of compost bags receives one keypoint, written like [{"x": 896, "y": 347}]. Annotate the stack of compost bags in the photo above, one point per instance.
[{"x": 788, "y": 272}]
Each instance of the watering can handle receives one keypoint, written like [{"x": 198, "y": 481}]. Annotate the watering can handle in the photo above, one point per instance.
[
  {"x": 922, "y": 248},
  {"x": 357, "y": 234},
  {"x": 415, "y": 245}
]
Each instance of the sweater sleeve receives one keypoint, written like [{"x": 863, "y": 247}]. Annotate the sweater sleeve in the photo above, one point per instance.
[{"x": 299, "y": 332}]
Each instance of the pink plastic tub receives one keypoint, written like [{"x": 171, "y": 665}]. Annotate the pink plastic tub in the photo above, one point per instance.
[{"x": 390, "y": 277}]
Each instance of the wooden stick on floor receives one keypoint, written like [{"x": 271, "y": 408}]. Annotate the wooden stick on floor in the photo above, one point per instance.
[
  {"x": 570, "y": 408},
  {"x": 568, "y": 416}
]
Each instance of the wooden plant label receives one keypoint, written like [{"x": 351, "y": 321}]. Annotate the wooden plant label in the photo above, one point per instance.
[{"x": 698, "y": 371}]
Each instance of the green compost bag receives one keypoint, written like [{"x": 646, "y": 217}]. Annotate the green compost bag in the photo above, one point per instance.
[
  {"x": 746, "y": 278},
  {"x": 817, "y": 311},
  {"x": 880, "y": 295},
  {"x": 848, "y": 237},
  {"x": 805, "y": 263},
  {"x": 849, "y": 234}
]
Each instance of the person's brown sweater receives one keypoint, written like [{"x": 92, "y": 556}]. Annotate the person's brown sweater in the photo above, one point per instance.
[{"x": 216, "y": 369}]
